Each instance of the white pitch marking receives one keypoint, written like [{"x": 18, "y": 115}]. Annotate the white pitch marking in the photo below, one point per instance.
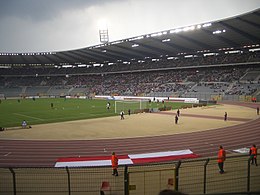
[{"x": 29, "y": 116}]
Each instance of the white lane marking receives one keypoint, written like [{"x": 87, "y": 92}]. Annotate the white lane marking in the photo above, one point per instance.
[{"x": 8, "y": 153}]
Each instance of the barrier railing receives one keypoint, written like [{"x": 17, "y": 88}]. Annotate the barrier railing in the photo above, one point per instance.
[{"x": 199, "y": 176}]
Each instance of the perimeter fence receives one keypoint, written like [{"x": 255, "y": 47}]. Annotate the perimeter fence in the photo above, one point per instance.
[{"x": 197, "y": 176}]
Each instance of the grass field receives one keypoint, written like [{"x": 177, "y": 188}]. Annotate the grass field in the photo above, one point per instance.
[{"x": 13, "y": 112}]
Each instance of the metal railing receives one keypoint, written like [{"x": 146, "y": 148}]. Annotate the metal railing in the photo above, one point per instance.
[{"x": 197, "y": 176}]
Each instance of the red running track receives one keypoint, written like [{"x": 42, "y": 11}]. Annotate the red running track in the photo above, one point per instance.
[{"x": 32, "y": 153}]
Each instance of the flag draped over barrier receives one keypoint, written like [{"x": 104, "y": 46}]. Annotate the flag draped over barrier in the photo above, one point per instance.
[{"x": 125, "y": 159}]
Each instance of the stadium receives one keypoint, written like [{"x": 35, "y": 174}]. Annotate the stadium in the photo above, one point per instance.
[{"x": 203, "y": 70}]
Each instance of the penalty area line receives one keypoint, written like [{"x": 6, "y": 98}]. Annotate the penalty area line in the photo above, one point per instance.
[{"x": 29, "y": 116}]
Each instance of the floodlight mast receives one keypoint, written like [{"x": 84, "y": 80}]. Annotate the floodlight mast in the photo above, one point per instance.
[{"x": 103, "y": 35}]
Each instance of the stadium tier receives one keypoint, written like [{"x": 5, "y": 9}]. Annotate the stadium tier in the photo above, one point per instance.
[{"x": 203, "y": 83}]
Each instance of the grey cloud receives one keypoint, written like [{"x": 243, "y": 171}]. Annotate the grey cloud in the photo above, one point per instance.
[
  {"x": 54, "y": 25},
  {"x": 43, "y": 9}
]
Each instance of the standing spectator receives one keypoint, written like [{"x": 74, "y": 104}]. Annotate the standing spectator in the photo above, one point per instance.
[
  {"x": 52, "y": 105},
  {"x": 225, "y": 116},
  {"x": 221, "y": 159},
  {"x": 108, "y": 105},
  {"x": 24, "y": 124},
  {"x": 178, "y": 112},
  {"x": 122, "y": 115},
  {"x": 176, "y": 119},
  {"x": 253, "y": 154},
  {"x": 129, "y": 112},
  {"x": 114, "y": 162},
  {"x": 257, "y": 110}
]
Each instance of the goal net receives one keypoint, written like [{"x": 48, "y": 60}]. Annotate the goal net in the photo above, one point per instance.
[
  {"x": 132, "y": 105},
  {"x": 2, "y": 96}
]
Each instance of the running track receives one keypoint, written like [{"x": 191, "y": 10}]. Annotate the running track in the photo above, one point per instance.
[{"x": 32, "y": 153}]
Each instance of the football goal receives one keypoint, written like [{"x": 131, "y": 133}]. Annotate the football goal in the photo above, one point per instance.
[
  {"x": 125, "y": 105},
  {"x": 2, "y": 96}
]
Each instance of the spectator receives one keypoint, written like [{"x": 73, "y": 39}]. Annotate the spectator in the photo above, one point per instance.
[
  {"x": 114, "y": 162},
  {"x": 24, "y": 124},
  {"x": 221, "y": 159}
]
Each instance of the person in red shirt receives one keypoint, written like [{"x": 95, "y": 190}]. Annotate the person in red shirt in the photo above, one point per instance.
[
  {"x": 221, "y": 159},
  {"x": 253, "y": 154},
  {"x": 114, "y": 162}
]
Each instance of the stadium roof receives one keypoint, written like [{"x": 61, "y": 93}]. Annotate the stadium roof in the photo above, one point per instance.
[{"x": 229, "y": 34}]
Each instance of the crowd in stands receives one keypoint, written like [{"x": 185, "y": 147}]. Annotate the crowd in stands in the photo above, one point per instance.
[
  {"x": 212, "y": 80},
  {"x": 243, "y": 89},
  {"x": 179, "y": 81}
]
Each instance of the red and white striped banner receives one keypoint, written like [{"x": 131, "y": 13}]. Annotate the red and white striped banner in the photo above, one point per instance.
[{"x": 125, "y": 159}]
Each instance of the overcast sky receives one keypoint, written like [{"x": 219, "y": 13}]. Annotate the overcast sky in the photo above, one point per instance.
[{"x": 58, "y": 25}]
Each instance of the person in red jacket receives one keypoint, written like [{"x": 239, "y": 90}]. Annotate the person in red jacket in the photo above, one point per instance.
[
  {"x": 114, "y": 162},
  {"x": 221, "y": 159},
  {"x": 253, "y": 154}
]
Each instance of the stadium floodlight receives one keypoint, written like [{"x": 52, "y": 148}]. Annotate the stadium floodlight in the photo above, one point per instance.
[
  {"x": 66, "y": 66},
  {"x": 166, "y": 40},
  {"x": 206, "y": 25},
  {"x": 255, "y": 49},
  {"x": 189, "y": 28},
  {"x": 156, "y": 34},
  {"x": 178, "y": 30},
  {"x": 103, "y": 31},
  {"x": 135, "y": 45},
  {"x": 136, "y": 38},
  {"x": 219, "y": 31},
  {"x": 82, "y": 65},
  {"x": 189, "y": 56},
  {"x": 103, "y": 35},
  {"x": 117, "y": 42},
  {"x": 198, "y": 26}
]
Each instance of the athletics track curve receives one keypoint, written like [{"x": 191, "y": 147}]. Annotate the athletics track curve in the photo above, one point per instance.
[{"x": 34, "y": 153}]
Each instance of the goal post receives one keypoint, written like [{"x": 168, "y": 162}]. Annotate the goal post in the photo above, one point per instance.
[
  {"x": 125, "y": 105},
  {"x": 2, "y": 96}
]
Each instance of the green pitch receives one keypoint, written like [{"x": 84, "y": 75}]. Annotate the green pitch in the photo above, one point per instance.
[{"x": 13, "y": 112}]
